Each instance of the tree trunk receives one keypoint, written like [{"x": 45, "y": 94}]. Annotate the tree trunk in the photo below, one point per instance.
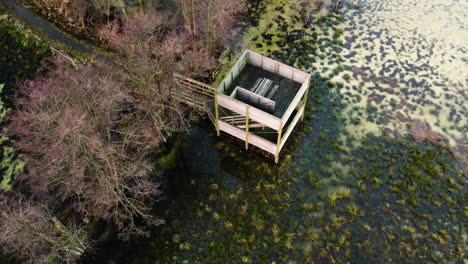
[{"x": 194, "y": 29}]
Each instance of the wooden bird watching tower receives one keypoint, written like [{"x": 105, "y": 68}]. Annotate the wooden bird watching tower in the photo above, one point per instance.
[{"x": 260, "y": 101}]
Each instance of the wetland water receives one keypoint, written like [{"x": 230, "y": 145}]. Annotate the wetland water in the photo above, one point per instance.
[
  {"x": 351, "y": 187},
  {"x": 356, "y": 189},
  {"x": 409, "y": 60}
]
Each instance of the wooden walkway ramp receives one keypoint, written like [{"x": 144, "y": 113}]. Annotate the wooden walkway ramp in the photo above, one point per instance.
[{"x": 195, "y": 94}]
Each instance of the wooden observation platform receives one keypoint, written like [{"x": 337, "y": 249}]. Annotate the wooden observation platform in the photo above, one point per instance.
[{"x": 260, "y": 101}]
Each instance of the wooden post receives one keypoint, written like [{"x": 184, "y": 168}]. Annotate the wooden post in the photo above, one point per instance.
[
  {"x": 246, "y": 128},
  {"x": 276, "y": 68},
  {"x": 278, "y": 143},
  {"x": 216, "y": 114},
  {"x": 306, "y": 94}
]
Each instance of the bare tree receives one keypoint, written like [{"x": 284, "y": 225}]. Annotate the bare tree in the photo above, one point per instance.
[
  {"x": 210, "y": 21},
  {"x": 188, "y": 10},
  {"x": 218, "y": 19},
  {"x": 154, "y": 39},
  {"x": 87, "y": 139},
  {"x": 150, "y": 65},
  {"x": 33, "y": 235}
]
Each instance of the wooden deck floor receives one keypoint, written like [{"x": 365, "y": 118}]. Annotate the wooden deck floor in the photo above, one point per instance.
[{"x": 284, "y": 95}]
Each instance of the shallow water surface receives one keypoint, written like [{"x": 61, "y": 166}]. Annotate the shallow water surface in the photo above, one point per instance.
[
  {"x": 408, "y": 59},
  {"x": 350, "y": 187}
]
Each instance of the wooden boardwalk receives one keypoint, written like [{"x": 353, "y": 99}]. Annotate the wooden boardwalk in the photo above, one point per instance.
[{"x": 195, "y": 94}]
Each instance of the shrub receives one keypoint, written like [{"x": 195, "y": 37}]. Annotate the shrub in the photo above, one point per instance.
[{"x": 86, "y": 139}]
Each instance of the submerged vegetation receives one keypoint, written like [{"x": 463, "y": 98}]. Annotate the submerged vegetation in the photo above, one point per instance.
[{"x": 333, "y": 199}]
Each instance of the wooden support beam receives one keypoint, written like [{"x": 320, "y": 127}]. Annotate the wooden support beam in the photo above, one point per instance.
[
  {"x": 254, "y": 125},
  {"x": 304, "y": 102},
  {"x": 254, "y": 140},
  {"x": 216, "y": 114},
  {"x": 299, "y": 105},
  {"x": 278, "y": 142},
  {"x": 246, "y": 127}
]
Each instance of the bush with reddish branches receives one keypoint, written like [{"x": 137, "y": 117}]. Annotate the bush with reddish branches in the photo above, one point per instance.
[{"x": 86, "y": 139}]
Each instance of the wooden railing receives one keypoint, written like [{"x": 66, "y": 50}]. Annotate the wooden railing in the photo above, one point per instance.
[
  {"x": 195, "y": 94},
  {"x": 194, "y": 86},
  {"x": 240, "y": 121},
  {"x": 189, "y": 99}
]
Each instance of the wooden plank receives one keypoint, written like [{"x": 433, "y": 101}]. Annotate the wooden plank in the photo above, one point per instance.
[
  {"x": 300, "y": 76},
  {"x": 296, "y": 100},
  {"x": 243, "y": 60},
  {"x": 188, "y": 97},
  {"x": 255, "y": 114},
  {"x": 234, "y": 117},
  {"x": 254, "y": 58},
  {"x": 253, "y": 139},
  {"x": 234, "y": 122},
  {"x": 259, "y": 80},
  {"x": 255, "y": 99},
  {"x": 280, "y": 131},
  {"x": 260, "y": 84},
  {"x": 256, "y": 125},
  {"x": 285, "y": 71},
  {"x": 234, "y": 93},
  {"x": 216, "y": 114},
  {"x": 264, "y": 88},
  {"x": 195, "y": 81},
  {"x": 270, "y": 65},
  {"x": 296, "y": 119},
  {"x": 273, "y": 91},
  {"x": 240, "y": 63},
  {"x": 304, "y": 101},
  {"x": 247, "y": 128},
  {"x": 195, "y": 88},
  {"x": 225, "y": 83}
]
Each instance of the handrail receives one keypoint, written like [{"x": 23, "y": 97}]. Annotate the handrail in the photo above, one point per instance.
[{"x": 195, "y": 85}]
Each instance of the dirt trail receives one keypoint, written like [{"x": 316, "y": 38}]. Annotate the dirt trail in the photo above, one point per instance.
[{"x": 33, "y": 20}]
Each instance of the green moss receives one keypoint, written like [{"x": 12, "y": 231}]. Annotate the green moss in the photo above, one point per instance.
[{"x": 170, "y": 159}]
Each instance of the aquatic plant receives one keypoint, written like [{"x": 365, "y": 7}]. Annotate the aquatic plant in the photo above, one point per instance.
[
  {"x": 169, "y": 160},
  {"x": 361, "y": 223},
  {"x": 331, "y": 199}
]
